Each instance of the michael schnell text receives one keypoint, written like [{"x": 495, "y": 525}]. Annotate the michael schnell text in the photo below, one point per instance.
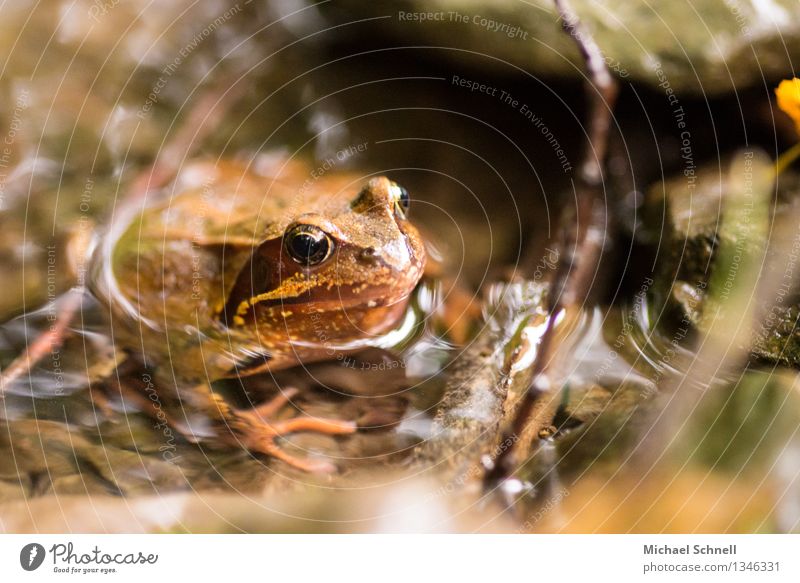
[{"x": 689, "y": 550}]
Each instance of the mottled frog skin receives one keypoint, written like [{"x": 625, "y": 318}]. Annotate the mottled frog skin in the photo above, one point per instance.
[{"x": 234, "y": 270}]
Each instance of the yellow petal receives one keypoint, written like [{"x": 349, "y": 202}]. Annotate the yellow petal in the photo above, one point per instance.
[{"x": 788, "y": 93}]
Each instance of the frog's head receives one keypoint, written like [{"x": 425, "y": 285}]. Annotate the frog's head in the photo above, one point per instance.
[{"x": 343, "y": 269}]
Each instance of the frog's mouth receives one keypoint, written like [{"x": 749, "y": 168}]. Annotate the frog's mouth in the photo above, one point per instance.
[
  {"x": 341, "y": 299},
  {"x": 307, "y": 295}
]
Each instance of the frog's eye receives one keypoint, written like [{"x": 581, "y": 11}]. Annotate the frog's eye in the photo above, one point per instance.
[
  {"x": 307, "y": 245},
  {"x": 402, "y": 201}
]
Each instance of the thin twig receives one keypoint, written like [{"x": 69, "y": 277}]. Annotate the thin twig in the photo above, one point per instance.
[
  {"x": 581, "y": 232},
  {"x": 46, "y": 343},
  {"x": 785, "y": 160}
]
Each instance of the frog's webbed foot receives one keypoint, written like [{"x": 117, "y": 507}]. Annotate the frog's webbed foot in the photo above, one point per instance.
[{"x": 254, "y": 429}]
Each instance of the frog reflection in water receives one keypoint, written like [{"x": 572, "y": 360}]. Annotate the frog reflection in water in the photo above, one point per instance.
[{"x": 238, "y": 272}]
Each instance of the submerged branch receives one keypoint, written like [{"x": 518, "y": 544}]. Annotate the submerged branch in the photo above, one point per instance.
[{"x": 46, "y": 343}]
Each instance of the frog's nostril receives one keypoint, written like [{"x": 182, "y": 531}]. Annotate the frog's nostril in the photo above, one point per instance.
[{"x": 369, "y": 254}]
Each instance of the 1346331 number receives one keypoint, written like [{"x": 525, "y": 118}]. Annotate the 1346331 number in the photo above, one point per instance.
[{"x": 763, "y": 566}]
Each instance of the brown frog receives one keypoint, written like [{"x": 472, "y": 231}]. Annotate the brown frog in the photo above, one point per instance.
[{"x": 238, "y": 270}]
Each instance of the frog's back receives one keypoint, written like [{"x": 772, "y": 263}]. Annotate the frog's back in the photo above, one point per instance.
[{"x": 233, "y": 204}]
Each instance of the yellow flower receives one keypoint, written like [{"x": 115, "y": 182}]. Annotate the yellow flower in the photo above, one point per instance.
[{"x": 788, "y": 93}]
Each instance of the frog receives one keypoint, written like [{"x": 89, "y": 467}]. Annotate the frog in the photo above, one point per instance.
[{"x": 240, "y": 268}]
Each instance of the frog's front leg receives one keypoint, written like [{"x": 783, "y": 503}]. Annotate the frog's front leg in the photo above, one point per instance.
[{"x": 456, "y": 314}]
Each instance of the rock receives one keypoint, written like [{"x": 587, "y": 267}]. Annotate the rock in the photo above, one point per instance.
[{"x": 703, "y": 46}]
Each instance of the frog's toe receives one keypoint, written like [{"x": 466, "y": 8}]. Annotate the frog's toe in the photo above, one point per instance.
[
  {"x": 307, "y": 465},
  {"x": 262, "y": 415},
  {"x": 271, "y": 407},
  {"x": 314, "y": 424}
]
